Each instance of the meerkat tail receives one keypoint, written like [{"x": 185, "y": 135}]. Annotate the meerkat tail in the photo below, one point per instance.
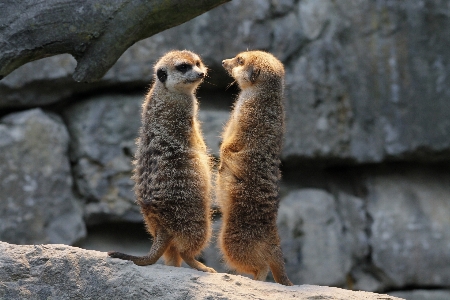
[
  {"x": 159, "y": 246},
  {"x": 138, "y": 260}
]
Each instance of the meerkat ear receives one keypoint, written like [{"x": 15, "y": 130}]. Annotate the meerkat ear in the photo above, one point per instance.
[
  {"x": 162, "y": 75},
  {"x": 254, "y": 73}
]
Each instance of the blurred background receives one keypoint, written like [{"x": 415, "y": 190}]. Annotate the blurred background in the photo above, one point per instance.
[{"x": 366, "y": 160}]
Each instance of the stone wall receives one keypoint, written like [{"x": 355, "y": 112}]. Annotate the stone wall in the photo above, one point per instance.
[{"x": 366, "y": 184}]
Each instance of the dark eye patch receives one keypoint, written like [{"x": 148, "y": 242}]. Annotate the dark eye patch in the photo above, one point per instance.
[
  {"x": 240, "y": 61},
  {"x": 183, "y": 68},
  {"x": 162, "y": 75}
]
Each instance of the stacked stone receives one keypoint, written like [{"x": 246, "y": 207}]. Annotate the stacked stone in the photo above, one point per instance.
[{"x": 366, "y": 184}]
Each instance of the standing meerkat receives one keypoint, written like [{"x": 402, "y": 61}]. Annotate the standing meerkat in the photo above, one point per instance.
[
  {"x": 247, "y": 183},
  {"x": 172, "y": 168}
]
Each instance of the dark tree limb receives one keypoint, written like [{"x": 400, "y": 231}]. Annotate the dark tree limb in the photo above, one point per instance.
[{"x": 96, "y": 32}]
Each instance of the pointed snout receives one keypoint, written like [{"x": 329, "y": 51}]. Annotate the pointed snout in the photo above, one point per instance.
[
  {"x": 201, "y": 73},
  {"x": 226, "y": 63}
]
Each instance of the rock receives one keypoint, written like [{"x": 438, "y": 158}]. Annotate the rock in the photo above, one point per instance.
[
  {"x": 423, "y": 294},
  {"x": 367, "y": 83},
  {"x": 321, "y": 236},
  {"x": 367, "y": 87},
  {"x": 314, "y": 16},
  {"x": 281, "y": 7},
  {"x": 103, "y": 132},
  {"x": 37, "y": 204},
  {"x": 212, "y": 122},
  {"x": 359, "y": 89},
  {"x": 40, "y": 82},
  {"x": 395, "y": 236},
  {"x": 125, "y": 237},
  {"x": 64, "y": 272},
  {"x": 410, "y": 232},
  {"x": 319, "y": 115}
]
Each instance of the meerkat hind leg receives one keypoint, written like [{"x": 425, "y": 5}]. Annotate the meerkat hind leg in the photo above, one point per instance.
[
  {"x": 276, "y": 265},
  {"x": 172, "y": 256},
  {"x": 193, "y": 263},
  {"x": 160, "y": 243},
  {"x": 261, "y": 274}
]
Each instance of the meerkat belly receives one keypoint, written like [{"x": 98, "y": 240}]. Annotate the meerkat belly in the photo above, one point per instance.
[
  {"x": 250, "y": 203},
  {"x": 244, "y": 98},
  {"x": 173, "y": 187}
]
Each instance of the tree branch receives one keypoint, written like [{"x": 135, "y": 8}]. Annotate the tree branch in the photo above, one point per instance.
[{"x": 95, "y": 33}]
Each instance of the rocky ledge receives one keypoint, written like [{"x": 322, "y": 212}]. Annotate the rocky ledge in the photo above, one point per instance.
[{"x": 65, "y": 272}]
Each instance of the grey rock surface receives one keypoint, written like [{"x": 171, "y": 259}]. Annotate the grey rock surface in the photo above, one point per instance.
[
  {"x": 212, "y": 123},
  {"x": 95, "y": 33},
  {"x": 40, "y": 82},
  {"x": 64, "y": 272},
  {"x": 367, "y": 86},
  {"x": 410, "y": 232},
  {"x": 37, "y": 204},
  {"x": 320, "y": 236},
  {"x": 423, "y": 294},
  {"x": 102, "y": 145},
  {"x": 363, "y": 78}
]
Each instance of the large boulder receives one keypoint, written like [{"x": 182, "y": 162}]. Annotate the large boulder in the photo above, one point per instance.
[
  {"x": 37, "y": 203},
  {"x": 423, "y": 294},
  {"x": 395, "y": 235},
  {"x": 41, "y": 82},
  {"x": 64, "y": 272},
  {"x": 371, "y": 85},
  {"x": 103, "y": 133},
  {"x": 322, "y": 236},
  {"x": 410, "y": 231}
]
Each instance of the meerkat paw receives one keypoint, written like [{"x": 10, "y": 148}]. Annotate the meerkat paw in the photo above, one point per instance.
[
  {"x": 193, "y": 263},
  {"x": 210, "y": 270}
]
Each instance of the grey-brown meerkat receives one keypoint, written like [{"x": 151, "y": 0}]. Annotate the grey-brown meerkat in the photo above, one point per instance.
[
  {"x": 248, "y": 177},
  {"x": 172, "y": 168}
]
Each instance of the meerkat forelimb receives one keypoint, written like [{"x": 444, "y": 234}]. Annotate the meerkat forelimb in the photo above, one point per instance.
[
  {"x": 172, "y": 171},
  {"x": 247, "y": 181}
]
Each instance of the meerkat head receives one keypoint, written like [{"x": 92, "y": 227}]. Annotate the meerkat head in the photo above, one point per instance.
[
  {"x": 180, "y": 71},
  {"x": 252, "y": 68}
]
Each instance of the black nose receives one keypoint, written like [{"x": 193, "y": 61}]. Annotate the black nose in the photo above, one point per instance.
[{"x": 201, "y": 75}]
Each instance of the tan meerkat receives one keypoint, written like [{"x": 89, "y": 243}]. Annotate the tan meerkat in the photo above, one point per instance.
[
  {"x": 247, "y": 182},
  {"x": 172, "y": 168}
]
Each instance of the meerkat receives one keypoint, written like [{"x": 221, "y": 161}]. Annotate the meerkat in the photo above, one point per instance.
[
  {"x": 247, "y": 181},
  {"x": 172, "y": 171}
]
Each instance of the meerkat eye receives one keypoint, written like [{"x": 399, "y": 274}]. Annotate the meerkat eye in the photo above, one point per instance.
[
  {"x": 240, "y": 61},
  {"x": 183, "y": 68},
  {"x": 198, "y": 64}
]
